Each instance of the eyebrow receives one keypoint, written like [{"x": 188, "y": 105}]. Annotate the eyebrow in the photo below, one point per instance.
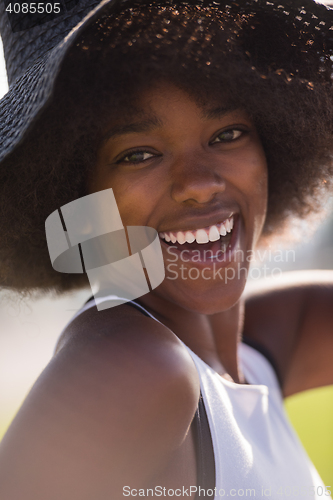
[
  {"x": 149, "y": 124},
  {"x": 146, "y": 125},
  {"x": 219, "y": 112}
]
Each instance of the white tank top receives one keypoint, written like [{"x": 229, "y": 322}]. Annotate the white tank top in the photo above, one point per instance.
[{"x": 256, "y": 451}]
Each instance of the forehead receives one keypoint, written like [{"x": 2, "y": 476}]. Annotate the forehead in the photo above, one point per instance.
[{"x": 156, "y": 105}]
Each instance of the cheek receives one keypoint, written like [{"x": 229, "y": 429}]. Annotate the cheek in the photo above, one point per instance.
[
  {"x": 136, "y": 196},
  {"x": 259, "y": 169},
  {"x": 260, "y": 195},
  {"x": 256, "y": 168},
  {"x": 250, "y": 174},
  {"x": 260, "y": 186},
  {"x": 251, "y": 178}
]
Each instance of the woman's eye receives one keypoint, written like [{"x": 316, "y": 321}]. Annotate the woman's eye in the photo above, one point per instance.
[
  {"x": 228, "y": 135},
  {"x": 136, "y": 157}
]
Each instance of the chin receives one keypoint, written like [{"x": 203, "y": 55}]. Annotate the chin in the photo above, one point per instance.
[{"x": 202, "y": 297}]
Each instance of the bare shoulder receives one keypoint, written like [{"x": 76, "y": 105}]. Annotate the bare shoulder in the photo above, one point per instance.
[
  {"x": 109, "y": 409},
  {"x": 292, "y": 318},
  {"x": 123, "y": 340}
]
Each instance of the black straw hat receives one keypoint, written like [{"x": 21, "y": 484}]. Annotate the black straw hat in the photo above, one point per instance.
[{"x": 36, "y": 44}]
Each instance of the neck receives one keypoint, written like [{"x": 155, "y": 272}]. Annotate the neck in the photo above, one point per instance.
[{"x": 213, "y": 338}]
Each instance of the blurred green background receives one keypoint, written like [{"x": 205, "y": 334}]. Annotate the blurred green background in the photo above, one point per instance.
[{"x": 311, "y": 413}]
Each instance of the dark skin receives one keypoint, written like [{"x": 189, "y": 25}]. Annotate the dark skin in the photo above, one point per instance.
[
  {"x": 115, "y": 405},
  {"x": 193, "y": 167},
  {"x": 294, "y": 319}
]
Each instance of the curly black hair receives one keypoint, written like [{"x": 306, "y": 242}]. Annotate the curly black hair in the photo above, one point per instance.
[{"x": 251, "y": 62}]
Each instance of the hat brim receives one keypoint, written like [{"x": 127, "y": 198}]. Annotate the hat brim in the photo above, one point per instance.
[
  {"x": 21, "y": 107},
  {"x": 29, "y": 94}
]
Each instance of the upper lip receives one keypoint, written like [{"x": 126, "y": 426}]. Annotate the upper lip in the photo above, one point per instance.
[{"x": 200, "y": 222}]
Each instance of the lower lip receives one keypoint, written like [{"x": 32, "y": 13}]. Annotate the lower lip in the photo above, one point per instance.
[{"x": 222, "y": 259}]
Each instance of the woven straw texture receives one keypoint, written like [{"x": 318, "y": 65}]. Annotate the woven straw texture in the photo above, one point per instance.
[{"x": 34, "y": 56}]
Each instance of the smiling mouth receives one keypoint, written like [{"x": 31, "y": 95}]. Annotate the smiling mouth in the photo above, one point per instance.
[{"x": 206, "y": 243}]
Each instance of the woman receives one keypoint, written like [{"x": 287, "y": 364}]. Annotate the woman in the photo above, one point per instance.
[{"x": 211, "y": 124}]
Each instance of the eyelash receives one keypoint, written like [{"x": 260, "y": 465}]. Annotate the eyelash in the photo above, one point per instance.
[
  {"x": 242, "y": 132},
  {"x": 142, "y": 150},
  {"x": 133, "y": 152}
]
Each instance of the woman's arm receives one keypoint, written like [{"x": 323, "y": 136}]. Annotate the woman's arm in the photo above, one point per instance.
[
  {"x": 108, "y": 411},
  {"x": 293, "y": 318}
]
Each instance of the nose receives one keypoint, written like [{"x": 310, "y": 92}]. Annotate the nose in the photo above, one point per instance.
[{"x": 194, "y": 181}]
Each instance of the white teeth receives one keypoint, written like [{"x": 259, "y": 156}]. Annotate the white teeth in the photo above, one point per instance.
[
  {"x": 180, "y": 237},
  {"x": 227, "y": 225},
  {"x": 223, "y": 230},
  {"x": 214, "y": 234},
  {"x": 201, "y": 236},
  {"x": 189, "y": 237}
]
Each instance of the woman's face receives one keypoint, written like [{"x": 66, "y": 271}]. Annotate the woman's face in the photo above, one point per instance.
[{"x": 190, "y": 172}]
